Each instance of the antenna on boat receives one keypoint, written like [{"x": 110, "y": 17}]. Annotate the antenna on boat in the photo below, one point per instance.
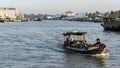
[{"x": 10, "y": 4}]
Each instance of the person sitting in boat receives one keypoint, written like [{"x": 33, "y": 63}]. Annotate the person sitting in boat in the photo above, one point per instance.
[
  {"x": 84, "y": 43},
  {"x": 98, "y": 43},
  {"x": 69, "y": 39}
]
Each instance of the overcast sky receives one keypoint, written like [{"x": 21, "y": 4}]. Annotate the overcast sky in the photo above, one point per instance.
[{"x": 60, "y": 6}]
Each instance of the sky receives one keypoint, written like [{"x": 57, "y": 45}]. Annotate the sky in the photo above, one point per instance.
[{"x": 61, "y": 6}]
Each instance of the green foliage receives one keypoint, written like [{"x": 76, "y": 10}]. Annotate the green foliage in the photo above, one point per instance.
[
  {"x": 33, "y": 16},
  {"x": 116, "y": 14}
]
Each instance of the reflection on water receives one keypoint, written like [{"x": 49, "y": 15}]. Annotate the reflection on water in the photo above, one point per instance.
[
  {"x": 39, "y": 45},
  {"x": 101, "y": 60},
  {"x": 76, "y": 60}
]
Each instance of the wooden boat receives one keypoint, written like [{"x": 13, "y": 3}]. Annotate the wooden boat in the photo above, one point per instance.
[
  {"x": 80, "y": 45},
  {"x": 111, "y": 24},
  {"x": 2, "y": 21}
]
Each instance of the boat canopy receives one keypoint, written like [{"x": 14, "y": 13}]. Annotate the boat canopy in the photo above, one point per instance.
[{"x": 74, "y": 33}]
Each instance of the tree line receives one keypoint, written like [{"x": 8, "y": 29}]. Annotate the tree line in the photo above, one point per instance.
[{"x": 93, "y": 15}]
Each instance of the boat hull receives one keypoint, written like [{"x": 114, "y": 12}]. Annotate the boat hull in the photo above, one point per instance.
[
  {"x": 113, "y": 26},
  {"x": 86, "y": 50},
  {"x": 94, "y": 51}
]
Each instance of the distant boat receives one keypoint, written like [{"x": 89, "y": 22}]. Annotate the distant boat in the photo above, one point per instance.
[
  {"x": 17, "y": 21},
  {"x": 111, "y": 24},
  {"x": 2, "y": 20},
  {"x": 37, "y": 19},
  {"x": 80, "y": 46}
]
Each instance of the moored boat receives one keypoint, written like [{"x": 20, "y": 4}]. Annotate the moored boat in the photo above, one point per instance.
[
  {"x": 80, "y": 44},
  {"x": 111, "y": 24},
  {"x": 2, "y": 20}
]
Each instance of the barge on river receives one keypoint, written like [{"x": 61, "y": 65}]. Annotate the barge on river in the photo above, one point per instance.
[
  {"x": 80, "y": 44},
  {"x": 111, "y": 24}
]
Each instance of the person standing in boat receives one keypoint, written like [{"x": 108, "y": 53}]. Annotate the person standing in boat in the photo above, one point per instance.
[
  {"x": 98, "y": 42},
  {"x": 69, "y": 39}
]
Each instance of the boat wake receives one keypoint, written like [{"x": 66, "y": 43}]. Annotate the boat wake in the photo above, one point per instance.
[{"x": 101, "y": 55}]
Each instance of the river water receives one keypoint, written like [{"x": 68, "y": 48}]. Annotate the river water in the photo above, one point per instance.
[{"x": 39, "y": 45}]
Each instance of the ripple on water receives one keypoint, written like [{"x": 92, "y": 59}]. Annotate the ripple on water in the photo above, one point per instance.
[{"x": 38, "y": 45}]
